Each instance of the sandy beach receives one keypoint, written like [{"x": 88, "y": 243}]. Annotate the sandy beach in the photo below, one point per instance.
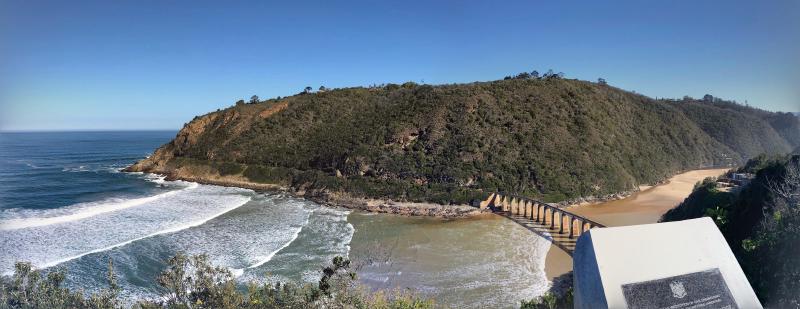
[{"x": 642, "y": 207}]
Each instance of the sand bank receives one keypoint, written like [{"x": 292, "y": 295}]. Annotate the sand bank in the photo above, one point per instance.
[{"x": 642, "y": 207}]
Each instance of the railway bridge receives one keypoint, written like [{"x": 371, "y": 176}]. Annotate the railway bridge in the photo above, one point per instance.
[{"x": 559, "y": 226}]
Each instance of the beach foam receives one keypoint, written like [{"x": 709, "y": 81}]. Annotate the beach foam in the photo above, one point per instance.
[
  {"x": 95, "y": 228},
  {"x": 37, "y": 218}
]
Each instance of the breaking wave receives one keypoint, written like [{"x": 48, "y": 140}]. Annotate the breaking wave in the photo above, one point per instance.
[
  {"x": 50, "y": 237},
  {"x": 20, "y": 219}
]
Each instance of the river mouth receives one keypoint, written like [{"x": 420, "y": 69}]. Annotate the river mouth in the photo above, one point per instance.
[
  {"x": 642, "y": 207},
  {"x": 648, "y": 205},
  {"x": 481, "y": 262}
]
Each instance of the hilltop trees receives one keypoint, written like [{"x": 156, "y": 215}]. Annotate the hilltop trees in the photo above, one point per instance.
[
  {"x": 254, "y": 99},
  {"x": 535, "y": 75}
]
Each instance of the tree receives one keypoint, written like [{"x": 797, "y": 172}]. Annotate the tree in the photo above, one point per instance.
[
  {"x": 409, "y": 85},
  {"x": 602, "y": 81},
  {"x": 708, "y": 98},
  {"x": 322, "y": 89},
  {"x": 307, "y": 90},
  {"x": 535, "y": 74},
  {"x": 523, "y": 75},
  {"x": 549, "y": 74},
  {"x": 240, "y": 102},
  {"x": 254, "y": 99}
]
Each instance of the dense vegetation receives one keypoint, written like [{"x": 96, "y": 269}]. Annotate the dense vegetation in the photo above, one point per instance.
[
  {"x": 192, "y": 282},
  {"x": 550, "y": 301},
  {"x": 747, "y": 131},
  {"x": 761, "y": 223},
  {"x": 544, "y": 137}
]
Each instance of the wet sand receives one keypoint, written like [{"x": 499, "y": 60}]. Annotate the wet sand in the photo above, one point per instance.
[
  {"x": 481, "y": 262},
  {"x": 642, "y": 207}
]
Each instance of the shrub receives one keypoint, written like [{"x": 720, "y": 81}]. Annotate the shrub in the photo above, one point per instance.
[{"x": 192, "y": 282}]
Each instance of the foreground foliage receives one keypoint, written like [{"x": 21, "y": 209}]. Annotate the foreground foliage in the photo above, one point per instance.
[
  {"x": 550, "y": 301},
  {"x": 761, "y": 223},
  {"x": 192, "y": 282}
]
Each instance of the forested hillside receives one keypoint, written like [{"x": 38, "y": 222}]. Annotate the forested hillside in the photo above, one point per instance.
[
  {"x": 746, "y": 130},
  {"x": 543, "y": 137},
  {"x": 760, "y": 222}
]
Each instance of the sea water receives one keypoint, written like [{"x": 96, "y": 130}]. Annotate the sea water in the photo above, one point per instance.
[{"x": 64, "y": 202}]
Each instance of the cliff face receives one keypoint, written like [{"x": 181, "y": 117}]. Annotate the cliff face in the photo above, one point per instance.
[
  {"x": 551, "y": 139},
  {"x": 188, "y": 138}
]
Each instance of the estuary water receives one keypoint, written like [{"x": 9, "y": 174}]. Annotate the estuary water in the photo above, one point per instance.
[{"x": 64, "y": 202}]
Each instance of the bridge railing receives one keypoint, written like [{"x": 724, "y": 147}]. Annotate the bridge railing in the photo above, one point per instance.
[{"x": 538, "y": 211}]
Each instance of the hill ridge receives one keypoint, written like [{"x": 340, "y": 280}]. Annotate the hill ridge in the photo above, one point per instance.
[{"x": 549, "y": 138}]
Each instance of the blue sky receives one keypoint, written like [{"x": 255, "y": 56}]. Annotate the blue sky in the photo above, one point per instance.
[{"x": 72, "y": 65}]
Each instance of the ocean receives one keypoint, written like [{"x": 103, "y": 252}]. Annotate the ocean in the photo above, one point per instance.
[{"x": 64, "y": 202}]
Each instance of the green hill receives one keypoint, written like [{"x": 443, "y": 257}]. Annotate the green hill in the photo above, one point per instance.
[
  {"x": 747, "y": 131},
  {"x": 549, "y": 138}
]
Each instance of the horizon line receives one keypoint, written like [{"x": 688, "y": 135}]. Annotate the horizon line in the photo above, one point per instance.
[{"x": 83, "y": 130}]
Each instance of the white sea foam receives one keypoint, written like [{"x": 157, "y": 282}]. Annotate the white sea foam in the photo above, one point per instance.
[
  {"x": 272, "y": 254},
  {"x": 161, "y": 232},
  {"x": 29, "y": 164},
  {"x": 76, "y": 169},
  {"x": 65, "y": 239},
  {"x": 82, "y": 211},
  {"x": 155, "y": 178}
]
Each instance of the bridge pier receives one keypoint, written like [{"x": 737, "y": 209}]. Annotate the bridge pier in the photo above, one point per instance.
[
  {"x": 560, "y": 222},
  {"x": 552, "y": 218},
  {"x": 515, "y": 206},
  {"x": 545, "y": 215},
  {"x": 571, "y": 228},
  {"x": 527, "y": 213}
]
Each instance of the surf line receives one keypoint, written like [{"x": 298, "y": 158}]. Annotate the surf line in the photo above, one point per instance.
[
  {"x": 239, "y": 271},
  {"x": 167, "y": 231},
  {"x": 91, "y": 211}
]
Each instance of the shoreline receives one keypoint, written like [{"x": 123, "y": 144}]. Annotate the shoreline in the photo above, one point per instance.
[
  {"x": 641, "y": 207},
  {"x": 334, "y": 199},
  {"x": 623, "y": 208}
]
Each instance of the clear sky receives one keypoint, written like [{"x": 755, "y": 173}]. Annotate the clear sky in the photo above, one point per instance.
[{"x": 70, "y": 65}]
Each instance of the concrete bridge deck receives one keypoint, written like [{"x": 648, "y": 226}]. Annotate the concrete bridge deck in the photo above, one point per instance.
[{"x": 559, "y": 226}]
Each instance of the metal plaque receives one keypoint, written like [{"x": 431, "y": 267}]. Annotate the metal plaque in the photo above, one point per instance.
[{"x": 705, "y": 289}]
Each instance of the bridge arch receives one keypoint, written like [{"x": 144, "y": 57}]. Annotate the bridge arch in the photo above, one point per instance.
[{"x": 558, "y": 225}]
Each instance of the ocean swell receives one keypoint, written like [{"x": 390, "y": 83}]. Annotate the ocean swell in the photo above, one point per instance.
[{"x": 47, "y": 241}]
